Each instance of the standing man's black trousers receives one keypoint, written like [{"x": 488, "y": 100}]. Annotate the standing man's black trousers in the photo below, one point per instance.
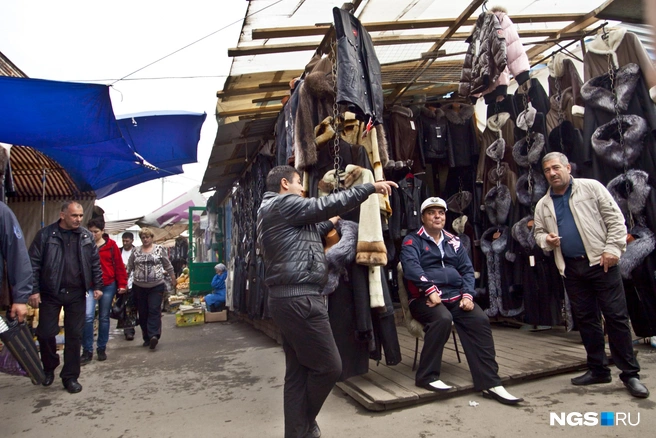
[
  {"x": 313, "y": 364},
  {"x": 593, "y": 292},
  {"x": 74, "y": 304}
]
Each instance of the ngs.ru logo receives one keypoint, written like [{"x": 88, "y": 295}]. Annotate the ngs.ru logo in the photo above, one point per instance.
[{"x": 594, "y": 419}]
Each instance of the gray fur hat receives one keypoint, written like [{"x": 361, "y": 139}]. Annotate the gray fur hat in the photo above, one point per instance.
[
  {"x": 525, "y": 156},
  {"x": 523, "y": 234},
  {"x": 597, "y": 92},
  {"x": 459, "y": 202},
  {"x": 539, "y": 184},
  {"x": 494, "y": 175},
  {"x": 497, "y": 204},
  {"x": 526, "y": 118},
  {"x": 497, "y": 149},
  {"x": 635, "y": 199},
  {"x": 637, "y": 250},
  {"x": 606, "y": 144}
]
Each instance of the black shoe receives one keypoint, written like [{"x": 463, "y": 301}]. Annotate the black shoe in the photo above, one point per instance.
[
  {"x": 86, "y": 357},
  {"x": 129, "y": 337},
  {"x": 314, "y": 431},
  {"x": 50, "y": 377},
  {"x": 636, "y": 388},
  {"x": 146, "y": 343},
  {"x": 590, "y": 379},
  {"x": 72, "y": 386},
  {"x": 153, "y": 342},
  {"x": 101, "y": 354},
  {"x": 436, "y": 386}
]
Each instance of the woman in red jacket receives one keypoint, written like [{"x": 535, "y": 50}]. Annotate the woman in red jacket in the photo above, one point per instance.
[{"x": 114, "y": 277}]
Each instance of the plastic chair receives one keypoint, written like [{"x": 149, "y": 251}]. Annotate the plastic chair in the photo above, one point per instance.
[{"x": 416, "y": 328}]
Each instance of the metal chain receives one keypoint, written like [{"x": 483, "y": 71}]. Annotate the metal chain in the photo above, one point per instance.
[
  {"x": 335, "y": 121},
  {"x": 525, "y": 102}
]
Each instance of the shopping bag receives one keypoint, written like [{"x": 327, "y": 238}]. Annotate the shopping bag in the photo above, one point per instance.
[
  {"x": 18, "y": 340},
  {"x": 9, "y": 364},
  {"x": 118, "y": 307}
]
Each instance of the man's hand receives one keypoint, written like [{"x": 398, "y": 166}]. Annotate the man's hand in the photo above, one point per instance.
[
  {"x": 97, "y": 294},
  {"x": 608, "y": 261},
  {"x": 18, "y": 311},
  {"x": 385, "y": 187},
  {"x": 121, "y": 291},
  {"x": 433, "y": 300},
  {"x": 553, "y": 240},
  {"x": 466, "y": 304},
  {"x": 34, "y": 300}
]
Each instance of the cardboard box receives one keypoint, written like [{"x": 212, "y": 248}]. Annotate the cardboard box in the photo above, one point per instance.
[
  {"x": 216, "y": 316},
  {"x": 189, "y": 319}
]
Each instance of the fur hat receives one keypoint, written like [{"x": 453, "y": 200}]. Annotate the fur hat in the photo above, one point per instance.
[
  {"x": 597, "y": 92},
  {"x": 497, "y": 204},
  {"x": 460, "y": 201},
  {"x": 605, "y": 140},
  {"x": 539, "y": 185},
  {"x": 523, "y": 234},
  {"x": 525, "y": 156},
  {"x": 494, "y": 175},
  {"x": 496, "y": 122},
  {"x": 458, "y": 225},
  {"x": 341, "y": 254},
  {"x": 526, "y": 118},
  {"x": 637, "y": 250},
  {"x": 565, "y": 138},
  {"x": 638, "y": 191},
  {"x": 497, "y": 149}
]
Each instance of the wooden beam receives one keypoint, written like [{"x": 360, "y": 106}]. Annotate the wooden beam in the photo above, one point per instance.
[
  {"x": 247, "y": 111},
  {"x": 261, "y": 88},
  {"x": 270, "y": 98},
  {"x": 321, "y": 28},
  {"x": 580, "y": 24},
  {"x": 463, "y": 17}
]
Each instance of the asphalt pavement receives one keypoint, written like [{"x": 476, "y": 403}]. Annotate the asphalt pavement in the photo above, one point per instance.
[{"x": 225, "y": 380}]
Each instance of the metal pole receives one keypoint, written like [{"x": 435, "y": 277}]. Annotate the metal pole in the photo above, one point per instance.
[{"x": 43, "y": 199}]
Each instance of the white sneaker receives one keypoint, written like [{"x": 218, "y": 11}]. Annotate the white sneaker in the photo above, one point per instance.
[{"x": 438, "y": 384}]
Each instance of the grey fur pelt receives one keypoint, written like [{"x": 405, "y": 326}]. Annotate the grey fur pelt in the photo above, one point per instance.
[
  {"x": 597, "y": 93},
  {"x": 605, "y": 140},
  {"x": 340, "y": 255},
  {"x": 635, "y": 200},
  {"x": 497, "y": 204},
  {"x": 539, "y": 189},
  {"x": 636, "y": 251},
  {"x": 525, "y": 156}
]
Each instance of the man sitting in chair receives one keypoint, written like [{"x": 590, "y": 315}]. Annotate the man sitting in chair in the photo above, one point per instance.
[{"x": 440, "y": 279}]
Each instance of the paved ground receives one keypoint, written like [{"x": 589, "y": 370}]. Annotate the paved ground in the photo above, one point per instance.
[{"x": 225, "y": 380}]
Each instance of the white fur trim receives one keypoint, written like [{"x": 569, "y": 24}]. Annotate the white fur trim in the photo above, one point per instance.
[
  {"x": 579, "y": 111},
  {"x": 603, "y": 46},
  {"x": 376, "y": 298},
  {"x": 652, "y": 93}
]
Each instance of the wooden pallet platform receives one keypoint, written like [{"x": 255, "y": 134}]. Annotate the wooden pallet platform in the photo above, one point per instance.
[{"x": 522, "y": 355}]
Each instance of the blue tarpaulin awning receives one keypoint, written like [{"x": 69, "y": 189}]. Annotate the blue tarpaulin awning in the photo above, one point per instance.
[{"x": 74, "y": 124}]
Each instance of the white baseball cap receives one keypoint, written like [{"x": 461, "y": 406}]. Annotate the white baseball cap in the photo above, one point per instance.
[{"x": 433, "y": 202}]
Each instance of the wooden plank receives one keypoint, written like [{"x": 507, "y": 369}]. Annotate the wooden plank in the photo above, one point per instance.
[
  {"x": 383, "y": 26},
  {"x": 273, "y": 109}
]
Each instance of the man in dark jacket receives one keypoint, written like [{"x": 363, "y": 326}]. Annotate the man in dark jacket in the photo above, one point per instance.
[
  {"x": 440, "y": 280},
  {"x": 289, "y": 229},
  {"x": 66, "y": 265},
  {"x": 14, "y": 253}
]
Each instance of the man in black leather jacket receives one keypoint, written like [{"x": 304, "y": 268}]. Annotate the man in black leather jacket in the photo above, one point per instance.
[
  {"x": 65, "y": 265},
  {"x": 289, "y": 229}
]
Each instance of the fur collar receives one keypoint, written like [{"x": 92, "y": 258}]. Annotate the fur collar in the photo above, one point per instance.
[
  {"x": 497, "y": 149},
  {"x": 637, "y": 250},
  {"x": 429, "y": 113},
  {"x": 320, "y": 85},
  {"x": 497, "y": 121},
  {"x": 459, "y": 117},
  {"x": 490, "y": 244},
  {"x": 556, "y": 65},
  {"x": 605, "y": 140},
  {"x": 523, "y": 234},
  {"x": 525, "y": 156},
  {"x": 497, "y": 204},
  {"x": 539, "y": 189},
  {"x": 401, "y": 110},
  {"x": 601, "y": 46},
  {"x": 597, "y": 92},
  {"x": 341, "y": 254},
  {"x": 324, "y": 131},
  {"x": 638, "y": 184}
]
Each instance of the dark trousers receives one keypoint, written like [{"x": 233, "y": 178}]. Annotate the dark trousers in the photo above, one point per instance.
[
  {"x": 74, "y": 304},
  {"x": 475, "y": 334},
  {"x": 593, "y": 292},
  {"x": 313, "y": 364},
  {"x": 149, "y": 307}
]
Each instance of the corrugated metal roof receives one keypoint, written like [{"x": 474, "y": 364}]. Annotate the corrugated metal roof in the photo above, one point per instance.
[
  {"x": 7, "y": 68},
  {"x": 28, "y": 167}
]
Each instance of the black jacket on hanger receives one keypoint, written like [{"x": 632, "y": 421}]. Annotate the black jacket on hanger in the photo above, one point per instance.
[{"x": 412, "y": 192}]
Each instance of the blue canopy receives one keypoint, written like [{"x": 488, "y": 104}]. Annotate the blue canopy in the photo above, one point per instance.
[{"x": 74, "y": 124}]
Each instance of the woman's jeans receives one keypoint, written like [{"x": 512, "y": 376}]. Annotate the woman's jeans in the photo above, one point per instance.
[{"x": 104, "y": 306}]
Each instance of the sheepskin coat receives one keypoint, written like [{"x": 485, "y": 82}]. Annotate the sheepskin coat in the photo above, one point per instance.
[{"x": 403, "y": 135}]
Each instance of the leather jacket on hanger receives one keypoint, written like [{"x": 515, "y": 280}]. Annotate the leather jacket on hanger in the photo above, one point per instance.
[{"x": 358, "y": 70}]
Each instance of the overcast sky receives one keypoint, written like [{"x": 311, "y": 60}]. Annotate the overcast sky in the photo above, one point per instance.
[{"x": 83, "y": 40}]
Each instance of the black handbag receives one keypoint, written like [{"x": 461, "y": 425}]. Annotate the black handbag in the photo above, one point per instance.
[{"x": 118, "y": 307}]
